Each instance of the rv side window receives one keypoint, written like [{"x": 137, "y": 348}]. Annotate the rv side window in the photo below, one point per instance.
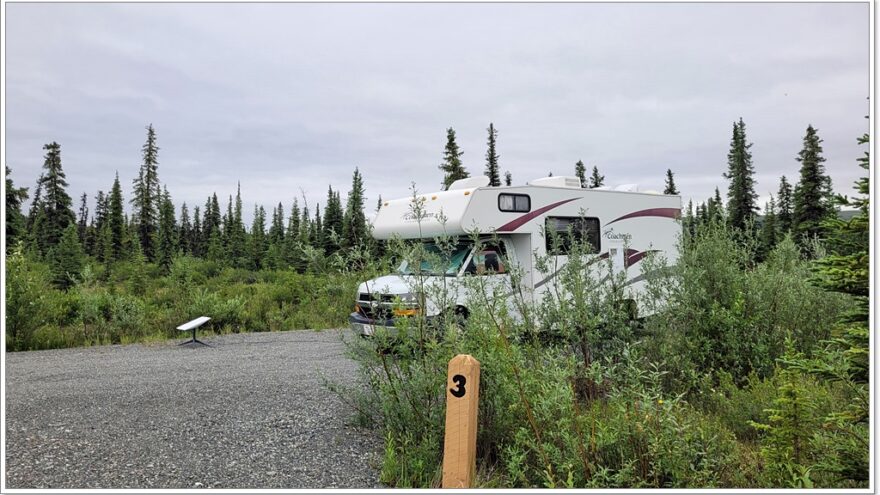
[
  {"x": 560, "y": 232},
  {"x": 514, "y": 202}
]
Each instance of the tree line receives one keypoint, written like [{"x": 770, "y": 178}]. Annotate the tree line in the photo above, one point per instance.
[
  {"x": 803, "y": 210},
  {"x": 156, "y": 231}
]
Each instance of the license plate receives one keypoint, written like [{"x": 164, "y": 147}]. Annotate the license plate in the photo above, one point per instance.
[{"x": 367, "y": 329}]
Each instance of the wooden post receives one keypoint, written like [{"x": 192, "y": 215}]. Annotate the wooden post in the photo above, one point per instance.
[{"x": 462, "y": 398}]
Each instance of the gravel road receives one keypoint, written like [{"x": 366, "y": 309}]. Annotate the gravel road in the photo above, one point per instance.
[{"x": 249, "y": 412}]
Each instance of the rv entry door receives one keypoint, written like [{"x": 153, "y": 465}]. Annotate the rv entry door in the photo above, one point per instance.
[{"x": 617, "y": 256}]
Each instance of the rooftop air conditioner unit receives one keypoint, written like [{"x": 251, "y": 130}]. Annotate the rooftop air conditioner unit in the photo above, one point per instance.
[
  {"x": 560, "y": 181},
  {"x": 627, "y": 188},
  {"x": 469, "y": 183}
]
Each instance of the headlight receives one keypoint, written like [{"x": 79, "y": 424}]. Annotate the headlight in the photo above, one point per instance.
[{"x": 409, "y": 299}]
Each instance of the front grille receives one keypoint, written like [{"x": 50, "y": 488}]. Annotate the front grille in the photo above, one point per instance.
[
  {"x": 376, "y": 306},
  {"x": 368, "y": 297},
  {"x": 377, "y": 313}
]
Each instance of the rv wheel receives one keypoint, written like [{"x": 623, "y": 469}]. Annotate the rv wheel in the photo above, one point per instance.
[
  {"x": 632, "y": 309},
  {"x": 461, "y": 315},
  {"x": 456, "y": 316}
]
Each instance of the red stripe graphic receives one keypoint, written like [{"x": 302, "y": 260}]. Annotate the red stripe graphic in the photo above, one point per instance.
[
  {"x": 651, "y": 212},
  {"x": 635, "y": 256},
  {"x": 519, "y": 222}
]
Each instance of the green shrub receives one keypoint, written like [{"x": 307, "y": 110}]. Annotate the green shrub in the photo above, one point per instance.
[
  {"x": 31, "y": 303},
  {"x": 723, "y": 314},
  {"x": 223, "y": 312}
]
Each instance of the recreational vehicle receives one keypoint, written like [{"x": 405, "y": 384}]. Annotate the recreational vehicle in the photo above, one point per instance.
[{"x": 621, "y": 225}]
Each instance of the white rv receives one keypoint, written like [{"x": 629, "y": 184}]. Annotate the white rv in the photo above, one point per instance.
[{"x": 621, "y": 225}]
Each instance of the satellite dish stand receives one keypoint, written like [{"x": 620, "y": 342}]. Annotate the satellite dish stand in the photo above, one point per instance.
[{"x": 193, "y": 325}]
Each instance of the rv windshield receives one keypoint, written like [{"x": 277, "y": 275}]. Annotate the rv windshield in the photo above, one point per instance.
[{"x": 437, "y": 260}]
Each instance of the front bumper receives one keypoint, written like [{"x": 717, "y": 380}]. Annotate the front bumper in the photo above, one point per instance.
[{"x": 368, "y": 326}]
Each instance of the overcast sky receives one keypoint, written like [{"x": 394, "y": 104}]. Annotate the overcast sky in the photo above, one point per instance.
[{"x": 284, "y": 97}]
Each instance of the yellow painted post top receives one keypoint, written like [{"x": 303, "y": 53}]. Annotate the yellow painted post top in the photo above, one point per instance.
[{"x": 462, "y": 399}]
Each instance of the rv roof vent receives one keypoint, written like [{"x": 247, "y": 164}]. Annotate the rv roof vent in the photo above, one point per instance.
[
  {"x": 627, "y": 188},
  {"x": 652, "y": 191},
  {"x": 469, "y": 183},
  {"x": 560, "y": 181}
]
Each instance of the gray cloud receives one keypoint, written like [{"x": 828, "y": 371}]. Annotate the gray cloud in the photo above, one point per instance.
[{"x": 284, "y": 97}]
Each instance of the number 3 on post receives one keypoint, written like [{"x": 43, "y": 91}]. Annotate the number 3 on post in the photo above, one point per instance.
[
  {"x": 460, "y": 445},
  {"x": 459, "y": 390}
]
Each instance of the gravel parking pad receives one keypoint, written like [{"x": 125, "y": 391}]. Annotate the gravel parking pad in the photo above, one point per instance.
[{"x": 249, "y": 412}]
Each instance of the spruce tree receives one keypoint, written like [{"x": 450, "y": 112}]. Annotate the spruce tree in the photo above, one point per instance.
[
  {"x": 102, "y": 208},
  {"x": 131, "y": 243},
  {"x": 227, "y": 224},
  {"x": 787, "y": 442},
  {"x": 94, "y": 242},
  {"x": 769, "y": 234},
  {"x": 146, "y": 196},
  {"x": 56, "y": 203},
  {"x": 166, "y": 236},
  {"x": 67, "y": 259},
  {"x": 845, "y": 359},
  {"x": 293, "y": 222},
  {"x": 214, "y": 249},
  {"x": 258, "y": 241},
  {"x": 702, "y": 216},
  {"x": 355, "y": 222},
  {"x": 508, "y": 178},
  {"x": 492, "y": 158},
  {"x": 596, "y": 180},
  {"x": 198, "y": 240},
  {"x": 103, "y": 249},
  {"x": 91, "y": 237},
  {"x": 116, "y": 221},
  {"x": 316, "y": 232},
  {"x": 238, "y": 241},
  {"x": 452, "y": 167},
  {"x": 580, "y": 170},
  {"x": 670, "y": 183},
  {"x": 276, "y": 230},
  {"x": 185, "y": 233},
  {"x": 15, "y": 220},
  {"x": 207, "y": 224},
  {"x": 82, "y": 222},
  {"x": 715, "y": 208},
  {"x": 741, "y": 196},
  {"x": 379, "y": 204},
  {"x": 812, "y": 195},
  {"x": 275, "y": 240},
  {"x": 305, "y": 226},
  {"x": 689, "y": 223},
  {"x": 138, "y": 280},
  {"x": 212, "y": 221},
  {"x": 291, "y": 238},
  {"x": 333, "y": 224},
  {"x": 35, "y": 217},
  {"x": 784, "y": 210}
]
